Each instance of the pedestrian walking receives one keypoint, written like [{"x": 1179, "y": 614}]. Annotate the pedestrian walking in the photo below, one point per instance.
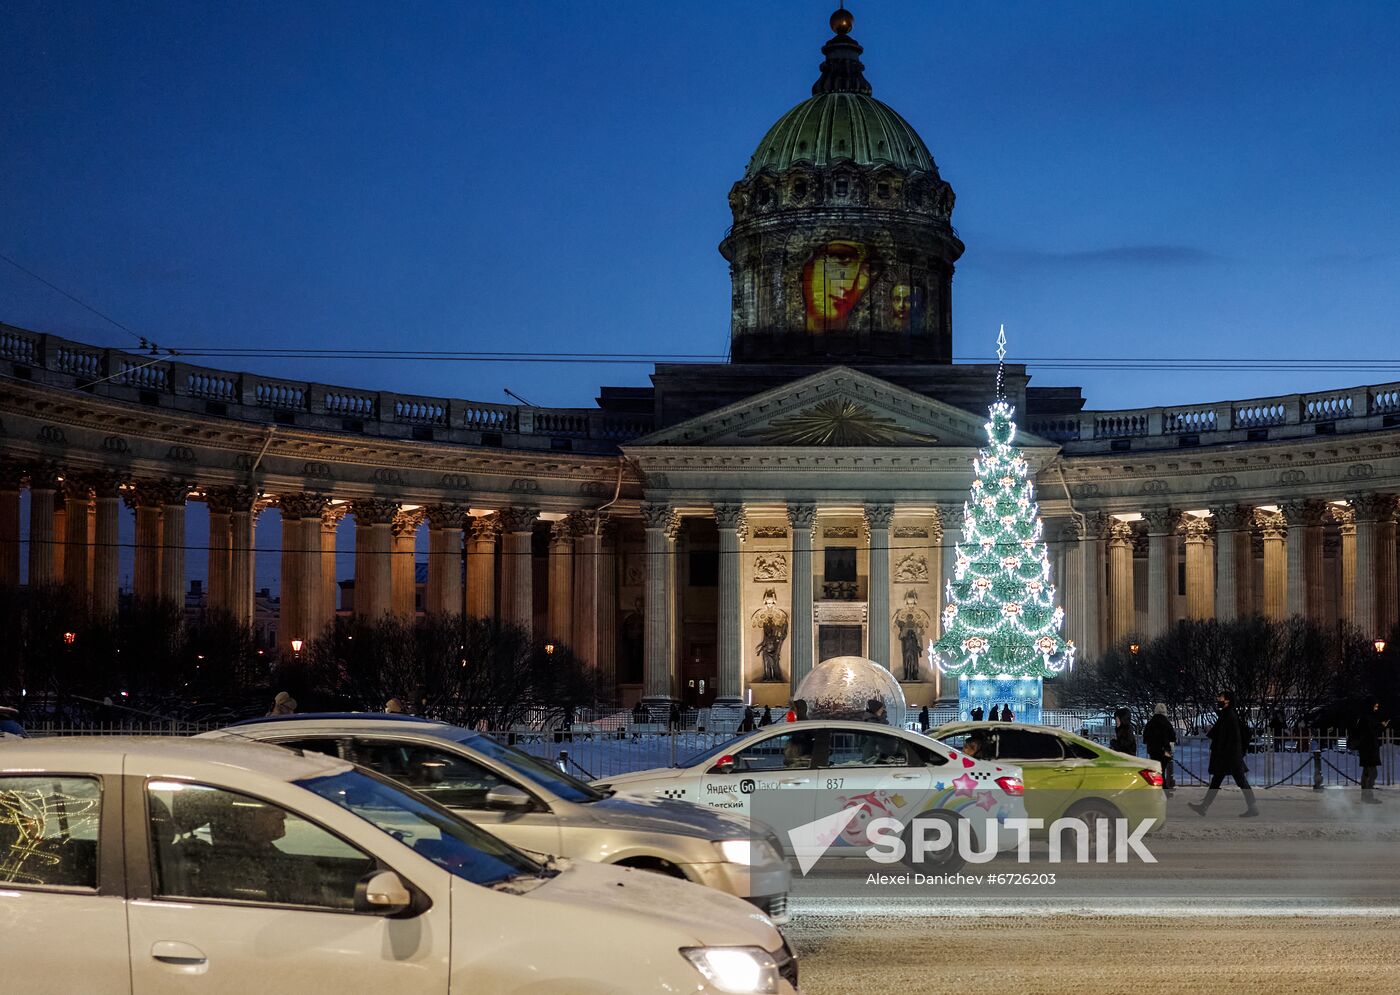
[
  {"x": 747, "y": 724},
  {"x": 766, "y": 719},
  {"x": 1276, "y": 730},
  {"x": 1229, "y": 738},
  {"x": 1006, "y": 715},
  {"x": 283, "y": 704},
  {"x": 1159, "y": 736},
  {"x": 875, "y": 712},
  {"x": 923, "y": 719},
  {"x": 393, "y": 707},
  {"x": 1123, "y": 739},
  {"x": 1369, "y": 731},
  {"x": 976, "y": 713}
]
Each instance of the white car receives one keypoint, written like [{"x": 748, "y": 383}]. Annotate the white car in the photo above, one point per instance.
[
  {"x": 887, "y": 772},
  {"x": 154, "y": 866},
  {"x": 535, "y": 806}
]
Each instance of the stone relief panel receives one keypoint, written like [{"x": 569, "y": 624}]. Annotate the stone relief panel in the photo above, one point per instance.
[
  {"x": 770, "y": 567},
  {"x": 911, "y": 569}
]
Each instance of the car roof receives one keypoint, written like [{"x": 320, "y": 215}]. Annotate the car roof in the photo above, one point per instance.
[
  {"x": 303, "y": 716},
  {"x": 261, "y": 758},
  {"x": 336, "y": 722},
  {"x": 986, "y": 723}
]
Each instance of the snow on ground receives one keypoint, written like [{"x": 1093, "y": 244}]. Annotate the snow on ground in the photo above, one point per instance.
[{"x": 1072, "y": 955}]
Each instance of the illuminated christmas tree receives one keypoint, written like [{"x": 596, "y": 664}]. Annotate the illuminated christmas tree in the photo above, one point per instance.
[{"x": 1001, "y": 627}]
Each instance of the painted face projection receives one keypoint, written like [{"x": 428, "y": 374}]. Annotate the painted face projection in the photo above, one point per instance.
[
  {"x": 834, "y": 279},
  {"x": 906, "y": 307}
]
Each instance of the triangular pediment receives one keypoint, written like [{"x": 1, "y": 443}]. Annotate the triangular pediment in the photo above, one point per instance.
[{"x": 835, "y": 408}]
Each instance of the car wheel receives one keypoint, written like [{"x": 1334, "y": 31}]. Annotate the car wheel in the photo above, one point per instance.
[
  {"x": 1091, "y": 812},
  {"x": 944, "y": 861}
]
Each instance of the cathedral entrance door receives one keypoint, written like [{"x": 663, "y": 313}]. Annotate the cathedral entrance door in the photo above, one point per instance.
[{"x": 840, "y": 640}]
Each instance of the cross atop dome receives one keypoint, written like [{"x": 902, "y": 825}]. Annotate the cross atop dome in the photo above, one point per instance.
[{"x": 842, "y": 72}]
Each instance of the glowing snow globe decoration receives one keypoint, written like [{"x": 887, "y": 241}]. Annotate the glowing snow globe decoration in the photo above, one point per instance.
[{"x": 840, "y": 688}]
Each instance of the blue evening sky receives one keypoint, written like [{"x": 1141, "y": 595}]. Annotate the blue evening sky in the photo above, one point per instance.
[{"x": 1134, "y": 179}]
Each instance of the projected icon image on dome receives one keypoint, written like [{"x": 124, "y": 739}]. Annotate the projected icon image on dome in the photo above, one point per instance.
[{"x": 834, "y": 280}]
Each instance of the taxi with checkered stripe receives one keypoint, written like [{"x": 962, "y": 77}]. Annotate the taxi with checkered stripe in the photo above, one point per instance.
[{"x": 884, "y": 771}]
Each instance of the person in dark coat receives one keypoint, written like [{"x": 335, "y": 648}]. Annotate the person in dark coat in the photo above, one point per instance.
[
  {"x": 766, "y": 719},
  {"x": 923, "y": 719},
  {"x": 747, "y": 724},
  {"x": 976, "y": 714},
  {"x": 1159, "y": 736},
  {"x": 1123, "y": 739},
  {"x": 1227, "y": 747},
  {"x": 1367, "y": 739},
  {"x": 1006, "y": 715},
  {"x": 875, "y": 712}
]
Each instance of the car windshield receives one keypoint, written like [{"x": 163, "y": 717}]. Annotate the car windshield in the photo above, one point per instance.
[
  {"x": 454, "y": 844},
  {"x": 695, "y": 759},
  {"x": 533, "y": 769}
]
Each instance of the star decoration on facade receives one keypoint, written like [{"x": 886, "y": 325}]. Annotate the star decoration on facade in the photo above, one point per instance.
[
  {"x": 836, "y": 422},
  {"x": 965, "y": 785}
]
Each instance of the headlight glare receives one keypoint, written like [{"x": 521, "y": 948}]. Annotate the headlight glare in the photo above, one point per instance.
[{"x": 737, "y": 970}]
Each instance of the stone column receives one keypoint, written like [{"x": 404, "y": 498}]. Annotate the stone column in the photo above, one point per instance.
[
  {"x": 877, "y": 531},
  {"x": 559, "y": 611},
  {"x": 662, "y": 526},
  {"x": 374, "y": 549},
  {"x": 1387, "y": 597},
  {"x": 11, "y": 480},
  {"x": 445, "y": 525},
  {"x": 481, "y": 567},
  {"x": 517, "y": 571},
  {"x": 299, "y": 616},
  {"x": 1161, "y": 530},
  {"x": 1200, "y": 570},
  {"x": 172, "y": 542},
  {"x": 802, "y": 518},
  {"x": 607, "y": 612},
  {"x": 948, "y": 534},
  {"x": 329, "y": 602},
  {"x": 1120, "y": 580},
  {"x": 77, "y": 495},
  {"x": 729, "y": 518},
  {"x": 1345, "y": 517},
  {"x": 586, "y": 528},
  {"x": 106, "y": 560},
  {"x": 242, "y": 567},
  {"x": 220, "y": 503},
  {"x": 1232, "y": 541},
  {"x": 403, "y": 578},
  {"x": 1274, "y": 528},
  {"x": 1071, "y": 584},
  {"x": 43, "y": 485},
  {"x": 1304, "y": 519},
  {"x": 60, "y": 533}
]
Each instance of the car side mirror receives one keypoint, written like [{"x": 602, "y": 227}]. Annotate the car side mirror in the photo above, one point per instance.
[
  {"x": 725, "y": 765},
  {"x": 507, "y": 797},
  {"x": 382, "y": 893}
]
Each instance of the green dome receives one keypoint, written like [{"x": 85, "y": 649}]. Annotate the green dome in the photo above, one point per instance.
[{"x": 841, "y": 126}]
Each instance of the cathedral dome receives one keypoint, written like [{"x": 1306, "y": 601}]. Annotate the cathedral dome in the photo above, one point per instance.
[{"x": 834, "y": 127}]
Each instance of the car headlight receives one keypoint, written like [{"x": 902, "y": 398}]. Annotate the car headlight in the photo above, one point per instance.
[
  {"x": 740, "y": 970},
  {"x": 746, "y": 852}
]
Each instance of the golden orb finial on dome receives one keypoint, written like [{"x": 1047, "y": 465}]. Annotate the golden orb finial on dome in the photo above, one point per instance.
[{"x": 842, "y": 21}]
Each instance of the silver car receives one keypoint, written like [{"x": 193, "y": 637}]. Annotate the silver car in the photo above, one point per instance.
[{"x": 535, "y": 806}]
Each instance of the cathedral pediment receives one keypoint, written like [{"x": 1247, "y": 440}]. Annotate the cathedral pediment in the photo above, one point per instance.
[{"x": 834, "y": 408}]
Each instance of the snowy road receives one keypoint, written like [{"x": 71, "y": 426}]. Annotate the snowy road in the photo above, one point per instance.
[{"x": 1304, "y": 899}]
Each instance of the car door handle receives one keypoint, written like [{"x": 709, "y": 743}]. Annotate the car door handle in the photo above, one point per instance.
[
  {"x": 906, "y": 777},
  {"x": 178, "y": 954},
  {"x": 793, "y": 780}
]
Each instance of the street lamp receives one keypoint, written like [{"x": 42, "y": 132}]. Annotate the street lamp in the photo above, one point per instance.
[
  {"x": 1379, "y": 644},
  {"x": 296, "y": 645},
  {"x": 548, "y": 649},
  {"x": 69, "y": 638},
  {"x": 1133, "y": 648}
]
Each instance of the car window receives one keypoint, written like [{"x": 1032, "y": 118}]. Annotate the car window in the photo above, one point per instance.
[
  {"x": 453, "y": 844},
  {"x": 211, "y": 843},
  {"x": 330, "y": 747},
  {"x": 48, "y": 831},
  {"x": 963, "y": 741},
  {"x": 928, "y": 754},
  {"x": 535, "y": 770},
  {"x": 446, "y": 777},
  {"x": 1078, "y": 750},
  {"x": 850, "y": 748},
  {"x": 1023, "y": 744},
  {"x": 788, "y": 751}
]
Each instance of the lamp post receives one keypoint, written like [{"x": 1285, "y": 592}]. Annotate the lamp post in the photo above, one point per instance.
[{"x": 1379, "y": 644}]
